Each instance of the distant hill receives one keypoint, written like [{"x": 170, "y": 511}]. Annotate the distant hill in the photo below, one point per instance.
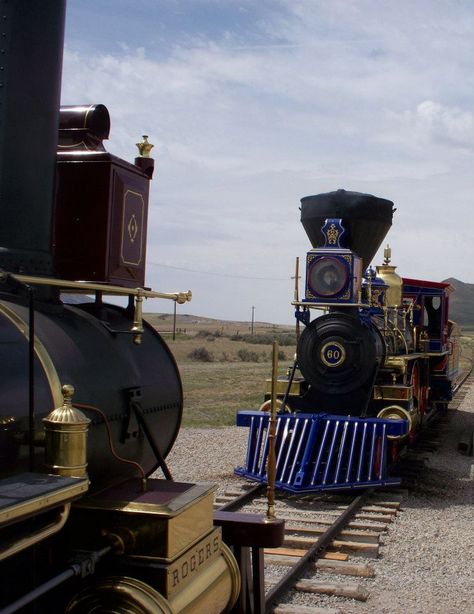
[
  {"x": 461, "y": 310},
  {"x": 461, "y": 303},
  {"x": 192, "y": 325}
]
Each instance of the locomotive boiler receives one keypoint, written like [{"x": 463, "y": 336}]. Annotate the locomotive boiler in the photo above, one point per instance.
[
  {"x": 90, "y": 395},
  {"x": 114, "y": 359},
  {"x": 379, "y": 362}
]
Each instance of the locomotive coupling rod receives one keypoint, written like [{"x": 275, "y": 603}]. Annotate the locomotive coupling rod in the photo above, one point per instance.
[{"x": 83, "y": 566}]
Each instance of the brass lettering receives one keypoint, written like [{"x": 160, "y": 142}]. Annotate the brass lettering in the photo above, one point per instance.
[
  {"x": 190, "y": 564},
  {"x": 184, "y": 569}
]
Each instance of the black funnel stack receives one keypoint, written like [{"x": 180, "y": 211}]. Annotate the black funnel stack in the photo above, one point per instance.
[
  {"x": 30, "y": 84},
  {"x": 366, "y": 219}
]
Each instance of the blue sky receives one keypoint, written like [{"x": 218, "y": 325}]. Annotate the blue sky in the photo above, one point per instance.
[{"x": 253, "y": 105}]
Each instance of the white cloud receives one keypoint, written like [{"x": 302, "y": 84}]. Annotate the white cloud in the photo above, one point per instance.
[
  {"x": 449, "y": 125},
  {"x": 366, "y": 95}
]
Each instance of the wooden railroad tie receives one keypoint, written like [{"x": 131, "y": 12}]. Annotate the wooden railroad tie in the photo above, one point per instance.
[
  {"x": 334, "y": 589},
  {"x": 362, "y": 548},
  {"x": 357, "y": 523},
  {"x": 371, "y": 537},
  {"x": 304, "y": 609},
  {"x": 351, "y": 591},
  {"x": 299, "y": 552},
  {"x": 367, "y": 513},
  {"x": 343, "y": 568},
  {"x": 378, "y": 509}
]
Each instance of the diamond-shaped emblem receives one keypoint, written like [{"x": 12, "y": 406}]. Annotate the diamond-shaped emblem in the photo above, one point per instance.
[{"x": 132, "y": 228}]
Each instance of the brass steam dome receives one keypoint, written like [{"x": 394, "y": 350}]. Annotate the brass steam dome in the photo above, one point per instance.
[{"x": 386, "y": 271}]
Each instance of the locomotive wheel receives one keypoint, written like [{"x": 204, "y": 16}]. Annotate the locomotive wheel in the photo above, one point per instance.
[
  {"x": 337, "y": 353},
  {"x": 267, "y": 405},
  {"x": 119, "y": 595},
  {"x": 396, "y": 412}
]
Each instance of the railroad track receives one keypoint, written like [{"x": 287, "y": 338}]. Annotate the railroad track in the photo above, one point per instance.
[
  {"x": 331, "y": 538},
  {"x": 459, "y": 388}
]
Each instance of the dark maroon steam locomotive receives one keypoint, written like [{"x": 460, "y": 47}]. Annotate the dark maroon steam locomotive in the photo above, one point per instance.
[{"x": 90, "y": 395}]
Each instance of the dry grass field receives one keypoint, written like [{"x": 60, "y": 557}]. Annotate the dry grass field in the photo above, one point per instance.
[
  {"x": 467, "y": 350},
  {"x": 224, "y": 367},
  {"x": 227, "y": 372}
]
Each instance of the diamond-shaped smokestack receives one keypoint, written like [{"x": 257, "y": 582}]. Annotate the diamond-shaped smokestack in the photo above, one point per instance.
[{"x": 366, "y": 219}]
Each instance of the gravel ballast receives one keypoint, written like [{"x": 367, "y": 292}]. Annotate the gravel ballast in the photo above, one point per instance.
[{"x": 426, "y": 564}]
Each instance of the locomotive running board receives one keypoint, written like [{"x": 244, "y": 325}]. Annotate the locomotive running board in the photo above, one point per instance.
[{"x": 318, "y": 452}]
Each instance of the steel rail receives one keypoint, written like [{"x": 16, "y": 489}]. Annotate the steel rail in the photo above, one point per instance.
[
  {"x": 463, "y": 379},
  {"x": 242, "y": 499},
  {"x": 286, "y": 583}
]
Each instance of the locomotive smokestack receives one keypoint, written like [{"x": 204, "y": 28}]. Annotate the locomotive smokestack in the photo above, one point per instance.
[
  {"x": 30, "y": 77},
  {"x": 366, "y": 218}
]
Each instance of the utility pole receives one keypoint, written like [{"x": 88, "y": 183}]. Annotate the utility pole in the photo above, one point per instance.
[
  {"x": 174, "y": 321},
  {"x": 297, "y": 277},
  {"x": 253, "y": 314}
]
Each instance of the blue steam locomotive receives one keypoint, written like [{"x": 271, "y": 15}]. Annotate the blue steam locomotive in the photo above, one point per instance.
[{"x": 379, "y": 362}]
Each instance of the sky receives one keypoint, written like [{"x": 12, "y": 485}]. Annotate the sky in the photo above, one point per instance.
[{"x": 252, "y": 105}]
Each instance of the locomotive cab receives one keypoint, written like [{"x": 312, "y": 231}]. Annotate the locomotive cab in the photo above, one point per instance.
[{"x": 436, "y": 337}]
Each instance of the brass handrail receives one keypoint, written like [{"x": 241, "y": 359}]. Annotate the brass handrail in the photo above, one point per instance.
[
  {"x": 87, "y": 287},
  {"x": 30, "y": 539}
]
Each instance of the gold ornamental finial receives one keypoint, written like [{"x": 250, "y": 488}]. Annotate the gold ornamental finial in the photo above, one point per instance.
[
  {"x": 387, "y": 254},
  {"x": 68, "y": 392},
  {"x": 144, "y": 147}
]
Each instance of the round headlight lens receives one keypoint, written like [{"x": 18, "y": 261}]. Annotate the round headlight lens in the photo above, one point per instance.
[{"x": 327, "y": 276}]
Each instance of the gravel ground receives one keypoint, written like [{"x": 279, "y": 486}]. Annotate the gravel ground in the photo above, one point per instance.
[{"x": 427, "y": 559}]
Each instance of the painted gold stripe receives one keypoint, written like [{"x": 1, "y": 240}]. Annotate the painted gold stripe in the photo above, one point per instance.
[
  {"x": 41, "y": 353},
  {"x": 140, "y": 196},
  {"x": 87, "y": 115}
]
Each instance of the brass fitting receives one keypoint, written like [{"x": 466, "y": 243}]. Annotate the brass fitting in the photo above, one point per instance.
[
  {"x": 394, "y": 282},
  {"x": 137, "y": 328},
  {"x": 66, "y": 438},
  {"x": 144, "y": 147}
]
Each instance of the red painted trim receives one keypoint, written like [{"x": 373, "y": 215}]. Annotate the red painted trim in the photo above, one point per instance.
[{"x": 427, "y": 284}]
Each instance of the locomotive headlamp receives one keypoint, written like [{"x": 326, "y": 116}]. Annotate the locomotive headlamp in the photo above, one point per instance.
[
  {"x": 327, "y": 276},
  {"x": 333, "y": 272}
]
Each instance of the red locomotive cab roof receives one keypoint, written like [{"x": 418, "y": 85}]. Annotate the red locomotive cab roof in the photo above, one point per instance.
[{"x": 428, "y": 285}]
